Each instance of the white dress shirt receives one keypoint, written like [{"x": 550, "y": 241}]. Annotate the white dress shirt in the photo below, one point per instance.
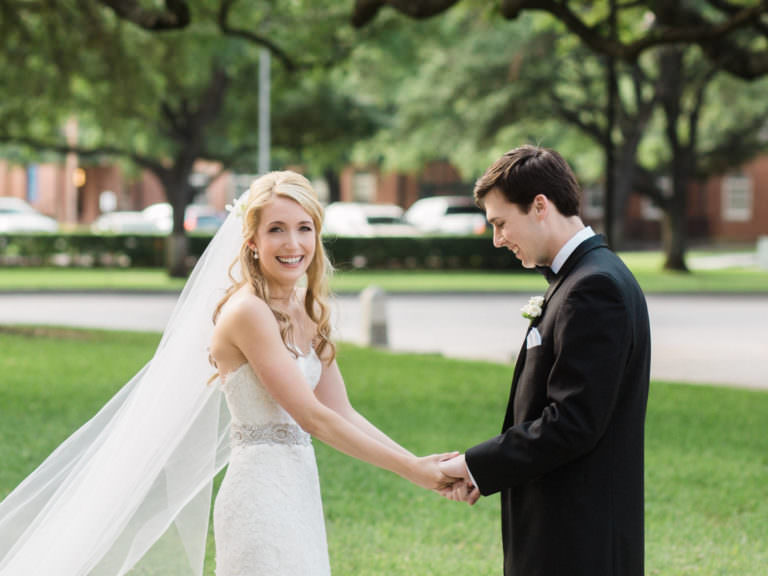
[{"x": 569, "y": 247}]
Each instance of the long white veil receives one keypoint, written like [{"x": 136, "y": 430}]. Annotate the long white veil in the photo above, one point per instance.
[{"x": 131, "y": 489}]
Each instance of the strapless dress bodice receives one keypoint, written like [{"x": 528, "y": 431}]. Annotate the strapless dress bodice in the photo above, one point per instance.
[{"x": 250, "y": 402}]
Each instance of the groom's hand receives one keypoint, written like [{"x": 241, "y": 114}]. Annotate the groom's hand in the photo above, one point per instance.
[{"x": 463, "y": 490}]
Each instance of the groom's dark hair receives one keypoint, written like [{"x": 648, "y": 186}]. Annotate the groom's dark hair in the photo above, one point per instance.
[{"x": 527, "y": 171}]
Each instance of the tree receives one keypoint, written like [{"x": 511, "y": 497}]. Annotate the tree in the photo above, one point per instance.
[
  {"x": 731, "y": 37},
  {"x": 522, "y": 81},
  {"x": 710, "y": 24},
  {"x": 163, "y": 101}
]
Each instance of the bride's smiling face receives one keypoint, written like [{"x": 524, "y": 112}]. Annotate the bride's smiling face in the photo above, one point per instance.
[{"x": 285, "y": 239}]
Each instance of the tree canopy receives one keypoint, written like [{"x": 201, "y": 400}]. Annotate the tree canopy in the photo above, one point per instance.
[
  {"x": 165, "y": 100},
  {"x": 479, "y": 84},
  {"x": 633, "y": 90},
  {"x": 731, "y": 33}
]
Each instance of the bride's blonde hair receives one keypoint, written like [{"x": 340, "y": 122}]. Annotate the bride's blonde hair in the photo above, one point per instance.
[{"x": 285, "y": 184}]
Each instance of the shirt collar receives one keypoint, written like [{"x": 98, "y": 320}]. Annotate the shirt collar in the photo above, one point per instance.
[{"x": 569, "y": 247}]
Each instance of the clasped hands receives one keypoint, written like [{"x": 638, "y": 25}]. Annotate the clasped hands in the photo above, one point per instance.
[{"x": 454, "y": 481}]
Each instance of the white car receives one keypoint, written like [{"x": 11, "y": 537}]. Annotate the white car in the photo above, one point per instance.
[
  {"x": 124, "y": 222},
  {"x": 160, "y": 215},
  {"x": 447, "y": 215},
  {"x": 158, "y": 219},
  {"x": 154, "y": 219},
  {"x": 18, "y": 216},
  {"x": 360, "y": 219}
]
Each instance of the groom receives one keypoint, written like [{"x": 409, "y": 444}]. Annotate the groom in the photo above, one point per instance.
[{"x": 569, "y": 459}]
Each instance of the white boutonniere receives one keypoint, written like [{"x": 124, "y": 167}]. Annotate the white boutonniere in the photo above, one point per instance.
[
  {"x": 532, "y": 310},
  {"x": 239, "y": 206}
]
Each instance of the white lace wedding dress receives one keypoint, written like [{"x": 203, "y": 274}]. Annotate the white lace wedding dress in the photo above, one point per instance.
[{"x": 268, "y": 515}]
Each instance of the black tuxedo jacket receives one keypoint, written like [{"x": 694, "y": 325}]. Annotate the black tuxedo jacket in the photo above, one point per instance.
[{"x": 569, "y": 460}]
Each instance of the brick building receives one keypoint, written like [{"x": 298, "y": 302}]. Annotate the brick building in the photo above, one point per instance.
[
  {"x": 71, "y": 193},
  {"x": 728, "y": 208}
]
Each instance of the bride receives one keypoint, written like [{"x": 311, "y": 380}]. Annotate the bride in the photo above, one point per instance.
[{"x": 130, "y": 491}]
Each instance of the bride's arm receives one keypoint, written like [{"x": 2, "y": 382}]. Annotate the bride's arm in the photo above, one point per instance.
[
  {"x": 253, "y": 329},
  {"x": 332, "y": 392}
]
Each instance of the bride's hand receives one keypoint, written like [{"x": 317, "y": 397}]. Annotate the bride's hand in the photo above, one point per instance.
[{"x": 426, "y": 472}]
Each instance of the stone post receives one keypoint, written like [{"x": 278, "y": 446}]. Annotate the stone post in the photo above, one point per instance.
[
  {"x": 762, "y": 252},
  {"x": 373, "y": 312}
]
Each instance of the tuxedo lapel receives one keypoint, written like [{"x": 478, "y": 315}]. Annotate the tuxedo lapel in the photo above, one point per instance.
[{"x": 508, "y": 417}]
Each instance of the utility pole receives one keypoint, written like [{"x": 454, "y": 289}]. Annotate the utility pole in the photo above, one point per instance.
[{"x": 264, "y": 89}]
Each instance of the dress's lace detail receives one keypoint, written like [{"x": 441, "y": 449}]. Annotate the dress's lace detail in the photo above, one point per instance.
[
  {"x": 248, "y": 435},
  {"x": 268, "y": 517}
]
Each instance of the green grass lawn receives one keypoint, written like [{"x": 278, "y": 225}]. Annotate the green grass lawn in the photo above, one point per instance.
[
  {"x": 88, "y": 279},
  {"x": 647, "y": 267},
  {"x": 706, "y": 473}
]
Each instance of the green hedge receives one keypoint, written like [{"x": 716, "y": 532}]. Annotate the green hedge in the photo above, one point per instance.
[
  {"x": 89, "y": 250},
  {"x": 423, "y": 252}
]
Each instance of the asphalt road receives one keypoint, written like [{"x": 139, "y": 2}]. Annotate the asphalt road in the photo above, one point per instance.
[{"x": 696, "y": 338}]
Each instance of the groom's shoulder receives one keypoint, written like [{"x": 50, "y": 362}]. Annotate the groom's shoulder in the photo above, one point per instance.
[{"x": 604, "y": 266}]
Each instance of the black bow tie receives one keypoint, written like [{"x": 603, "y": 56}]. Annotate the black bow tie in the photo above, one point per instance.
[{"x": 547, "y": 272}]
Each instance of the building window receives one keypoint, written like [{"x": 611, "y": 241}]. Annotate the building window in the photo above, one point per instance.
[
  {"x": 737, "y": 198},
  {"x": 364, "y": 187},
  {"x": 593, "y": 202}
]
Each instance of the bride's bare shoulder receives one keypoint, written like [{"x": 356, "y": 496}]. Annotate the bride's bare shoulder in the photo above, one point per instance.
[
  {"x": 243, "y": 307},
  {"x": 244, "y": 317}
]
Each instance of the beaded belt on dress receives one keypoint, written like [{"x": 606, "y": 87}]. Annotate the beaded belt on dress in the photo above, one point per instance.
[{"x": 279, "y": 433}]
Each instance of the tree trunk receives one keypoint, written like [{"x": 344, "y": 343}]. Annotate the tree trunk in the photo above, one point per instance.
[
  {"x": 177, "y": 255},
  {"x": 334, "y": 187},
  {"x": 622, "y": 189},
  {"x": 624, "y": 180},
  {"x": 674, "y": 236},
  {"x": 673, "y": 228},
  {"x": 611, "y": 215},
  {"x": 177, "y": 250},
  {"x": 189, "y": 124},
  {"x": 179, "y": 193}
]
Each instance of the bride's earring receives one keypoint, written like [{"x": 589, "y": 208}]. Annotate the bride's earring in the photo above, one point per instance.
[{"x": 255, "y": 254}]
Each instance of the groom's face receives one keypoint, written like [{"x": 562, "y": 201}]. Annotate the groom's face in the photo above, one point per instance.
[{"x": 515, "y": 230}]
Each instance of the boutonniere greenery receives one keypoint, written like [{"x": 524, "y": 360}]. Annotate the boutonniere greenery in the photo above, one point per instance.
[{"x": 532, "y": 310}]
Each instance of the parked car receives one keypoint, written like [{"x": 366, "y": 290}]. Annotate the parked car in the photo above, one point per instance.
[
  {"x": 360, "y": 219},
  {"x": 203, "y": 218},
  {"x": 161, "y": 216},
  {"x": 18, "y": 216},
  {"x": 158, "y": 219},
  {"x": 125, "y": 222},
  {"x": 447, "y": 215}
]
